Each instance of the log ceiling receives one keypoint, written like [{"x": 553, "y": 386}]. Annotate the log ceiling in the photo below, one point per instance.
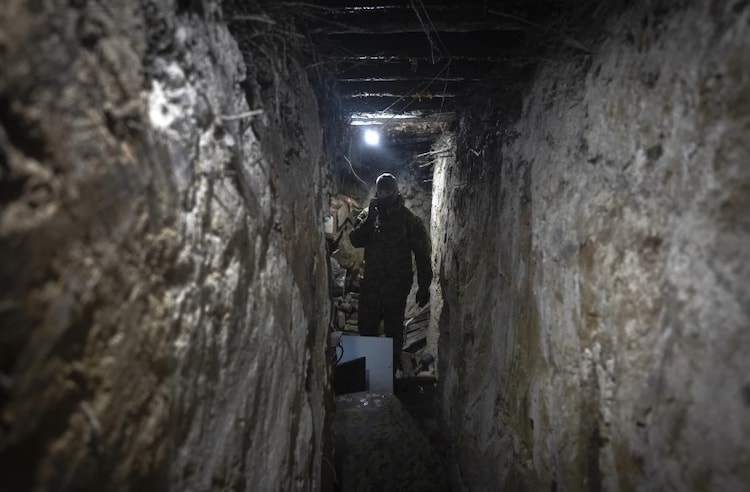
[{"x": 421, "y": 57}]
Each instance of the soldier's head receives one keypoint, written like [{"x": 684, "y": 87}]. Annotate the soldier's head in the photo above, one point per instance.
[{"x": 386, "y": 187}]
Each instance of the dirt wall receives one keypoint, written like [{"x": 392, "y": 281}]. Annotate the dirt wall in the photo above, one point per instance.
[
  {"x": 593, "y": 265},
  {"x": 163, "y": 302}
]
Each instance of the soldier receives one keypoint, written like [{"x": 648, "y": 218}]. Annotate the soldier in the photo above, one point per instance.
[{"x": 390, "y": 233}]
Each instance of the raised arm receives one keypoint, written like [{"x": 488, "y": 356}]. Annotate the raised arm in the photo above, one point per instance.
[{"x": 362, "y": 231}]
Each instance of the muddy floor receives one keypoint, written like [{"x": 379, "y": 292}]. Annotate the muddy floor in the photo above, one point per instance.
[{"x": 390, "y": 442}]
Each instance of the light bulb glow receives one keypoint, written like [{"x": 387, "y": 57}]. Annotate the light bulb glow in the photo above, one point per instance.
[{"x": 372, "y": 137}]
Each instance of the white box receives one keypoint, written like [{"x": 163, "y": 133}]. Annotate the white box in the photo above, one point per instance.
[{"x": 378, "y": 353}]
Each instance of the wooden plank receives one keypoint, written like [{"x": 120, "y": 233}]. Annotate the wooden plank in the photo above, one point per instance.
[
  {"x": 394, "y": 105},
  {"x": 355, "y": 5},
  {"x": 456, "y": 19},
  {"x": 405, "y": 70},
  {"x": 423, "y": 87},
  {"x": 415, "y": 119},
  {"x": 430, "y": 5},
  {"x": 479, "y": 45}
]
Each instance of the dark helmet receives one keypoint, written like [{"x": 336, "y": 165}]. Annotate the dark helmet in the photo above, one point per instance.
[{"x": 386, "y": 182}]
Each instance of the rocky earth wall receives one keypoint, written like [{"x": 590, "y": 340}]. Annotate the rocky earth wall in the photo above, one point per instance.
[
  {"x": 593, "y": 260},
  {"x": 163, "y": 307}
]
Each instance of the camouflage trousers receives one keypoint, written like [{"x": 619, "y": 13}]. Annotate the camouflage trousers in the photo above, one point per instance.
[{"x": 386, "y": 303}]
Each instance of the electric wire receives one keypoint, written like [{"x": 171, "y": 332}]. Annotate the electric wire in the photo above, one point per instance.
[
  {"x": 354, "y": 172},
  {"x": 415, "y": 88},
  {"x": 434, "y": 29},
  {"x": 422, "y": 86}
]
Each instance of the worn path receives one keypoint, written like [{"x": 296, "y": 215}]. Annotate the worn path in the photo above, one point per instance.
[{"x": 379, "y": 447}]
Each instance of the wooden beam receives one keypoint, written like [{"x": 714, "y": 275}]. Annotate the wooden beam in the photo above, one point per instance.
[
  {"x": 394, "y": 105},
  {"x": 399, "y": 96},
  {"x": 455, "y": 19},
  {"x": 426, "y": 117},
  {"x": 480, "y": 45},
  {"x": 413, "y": 138},
  {"x": 430, "y": 5},
  {"x": 422, "y": 87},
  {"x": 413, "y": 70}
]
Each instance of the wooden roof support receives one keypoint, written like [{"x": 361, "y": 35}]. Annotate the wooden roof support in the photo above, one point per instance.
[
  {"x": 430, "y": 5},
  {"x": 458, "y": 19},
  {"x": 411, "y": 70},
  {"x": 424, "y": 87},
  {"x": 479, "y": 45},
  {"x": 395, "y": 105}
]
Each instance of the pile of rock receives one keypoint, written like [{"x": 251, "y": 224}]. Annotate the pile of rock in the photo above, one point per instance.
[
  {"x": 345, "y": 265},
  {"x": 415, "y": 359},
  {"x": 346, "y": 309}
]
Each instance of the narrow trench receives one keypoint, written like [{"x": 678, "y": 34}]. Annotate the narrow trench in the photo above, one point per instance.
[
  {"x": 180, "y": 299},
  {"x": 388, "y": 432}
]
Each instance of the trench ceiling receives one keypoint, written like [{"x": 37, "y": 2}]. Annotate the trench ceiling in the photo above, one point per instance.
[{"x": 407, "y": 65}]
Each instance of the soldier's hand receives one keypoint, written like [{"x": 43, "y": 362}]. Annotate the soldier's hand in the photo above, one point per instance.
[
  {"x": 372, "y": 211},
  {"x": 423, "y": 296}
]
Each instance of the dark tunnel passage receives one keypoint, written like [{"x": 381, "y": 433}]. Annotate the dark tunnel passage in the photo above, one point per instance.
[{"x": 178, "y": 185}]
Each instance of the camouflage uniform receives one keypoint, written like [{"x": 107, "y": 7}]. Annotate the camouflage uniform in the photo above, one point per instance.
[{"x": 389, "y": 242}]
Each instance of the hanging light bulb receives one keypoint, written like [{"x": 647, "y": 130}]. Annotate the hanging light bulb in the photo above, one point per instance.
[{"x": 372, "y": 137}]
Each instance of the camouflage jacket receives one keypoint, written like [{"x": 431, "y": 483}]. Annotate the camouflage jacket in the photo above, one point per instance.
[{"x": 389, "y": 241}]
